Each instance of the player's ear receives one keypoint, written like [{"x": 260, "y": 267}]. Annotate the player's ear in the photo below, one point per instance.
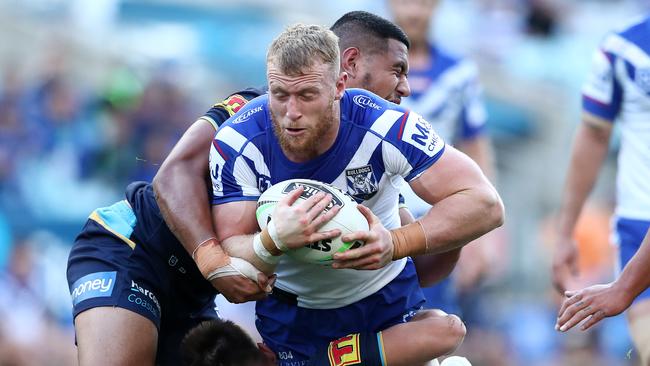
[
  {"x": 340, "y": 84},
  {"x": 350, "y": 61}
]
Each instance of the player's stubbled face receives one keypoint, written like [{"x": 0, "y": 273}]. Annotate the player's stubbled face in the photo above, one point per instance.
[
  {"x": 302, "y": 109},
  {"x": 385, "y": 73}
]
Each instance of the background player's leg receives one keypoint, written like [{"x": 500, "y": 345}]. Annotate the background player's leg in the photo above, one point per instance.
[
  {"x": 639, "y": 321},
  {"x": 115, "y": 336},
  {"x": 429, "y": 334}
]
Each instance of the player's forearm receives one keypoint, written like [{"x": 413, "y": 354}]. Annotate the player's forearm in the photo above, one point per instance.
[
  {"x": 589, "y": 151},
  {"x": 461, "y": 218},
  {"x": 187, "y": 215},
  {"x": 636, "y": 275},
  {"x": 241, "y": 246},
  {"x": 181, "y": 187}
]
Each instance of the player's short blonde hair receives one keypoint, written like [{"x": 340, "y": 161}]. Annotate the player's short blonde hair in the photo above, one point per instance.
[{"x": 299, "y": 46}]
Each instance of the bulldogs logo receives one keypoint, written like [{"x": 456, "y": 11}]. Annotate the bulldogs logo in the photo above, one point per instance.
[{"x": 362, "y": 184}]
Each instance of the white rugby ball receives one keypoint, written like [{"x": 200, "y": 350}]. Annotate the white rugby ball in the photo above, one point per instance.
[{"x": 348, "y": 219}]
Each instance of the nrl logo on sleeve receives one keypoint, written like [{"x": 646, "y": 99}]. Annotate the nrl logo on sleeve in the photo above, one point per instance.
[
  {"x": 364, "y": 101},
  {"x": 642, "y": 79},
  {"x": 232, "y": 104},
  {"x": 362, "y": 184}
]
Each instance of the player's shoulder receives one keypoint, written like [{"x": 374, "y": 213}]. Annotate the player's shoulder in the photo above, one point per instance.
[
  {"x": 391, "y": 122},
  {"x": 250, "y": 121},
  {"x": 364, "y": 108},
  {"x": 226, "y": 108},
  {"x": 633, "y": 34}
]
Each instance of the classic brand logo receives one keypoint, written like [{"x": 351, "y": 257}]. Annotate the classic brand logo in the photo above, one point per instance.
[
  {"x": 98, "y": 284},
  {"x": 364, "y": 101},
  {"x": 245, "y": 116}
]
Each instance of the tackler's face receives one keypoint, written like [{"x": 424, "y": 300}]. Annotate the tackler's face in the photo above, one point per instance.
[
  {"x": 303, "y": 106},
  {"x": 385, "y": 73}
]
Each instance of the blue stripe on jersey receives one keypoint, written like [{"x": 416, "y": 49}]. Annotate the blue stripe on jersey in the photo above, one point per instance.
[
  {"x": 638, "y": 34},
  {"x": 232, "y": 189},
  {"x": 416, "y": 171},
  {"x": 602, "y": 110}
]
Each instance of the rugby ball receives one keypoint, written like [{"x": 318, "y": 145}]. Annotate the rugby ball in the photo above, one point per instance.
[{"x": 348, "y": 219}]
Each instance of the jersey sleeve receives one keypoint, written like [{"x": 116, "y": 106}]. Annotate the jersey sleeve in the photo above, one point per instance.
[
  {"x": 226, "y": 108},
  {"x": 602, "y": 93},
  {"x": 232, "y": 177},
  {"x": 412, "y": 146},
  {"x": 473, "y": 116},
  {"x": 236, "y": 165}
]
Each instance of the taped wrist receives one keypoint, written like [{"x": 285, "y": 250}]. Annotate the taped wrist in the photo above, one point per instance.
[
  {"x": 209, "y": 256},
  {"x": 236, "y": 267},
  {"x": 409, "y": 240},
  {"x": 265, "y": 249},
  {"x": 273, "y": 234}
]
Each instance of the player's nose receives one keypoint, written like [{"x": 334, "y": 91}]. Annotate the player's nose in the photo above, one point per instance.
[
  {"x": 403, "y": 88},
  {"x": 293, "y": 109}
]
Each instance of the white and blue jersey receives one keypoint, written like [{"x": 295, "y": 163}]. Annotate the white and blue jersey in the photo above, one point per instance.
[
  {"x": 379, "y": 144},
  {"x": 618, "y": 90},
  {"x": 448, "y": 94}
]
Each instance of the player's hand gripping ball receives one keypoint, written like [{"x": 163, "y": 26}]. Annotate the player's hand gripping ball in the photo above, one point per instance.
[{"x": 348, "y": 219}]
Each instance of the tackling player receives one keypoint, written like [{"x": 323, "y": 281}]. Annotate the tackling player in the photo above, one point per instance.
[
  {"x": 309, "y": 126},
  {"x": 617, "y": 91}
]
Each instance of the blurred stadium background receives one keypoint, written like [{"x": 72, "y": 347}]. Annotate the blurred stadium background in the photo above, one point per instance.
[{"x": 93, "y": 95}]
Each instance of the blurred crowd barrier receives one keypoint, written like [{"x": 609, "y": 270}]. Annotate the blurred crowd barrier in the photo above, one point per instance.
[{"x": 94, "y": 95}]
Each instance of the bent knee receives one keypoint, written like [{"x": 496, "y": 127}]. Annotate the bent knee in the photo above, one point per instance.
[
  {"x": 453, "y": 333},
  {"x": 456, "y": 329}
]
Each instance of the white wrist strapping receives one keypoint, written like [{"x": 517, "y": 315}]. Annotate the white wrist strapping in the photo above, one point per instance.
[
  {"x": 262, "y": 252},
  {"x": 273, "y": 233},
  {"x": 236, "y": 267}
]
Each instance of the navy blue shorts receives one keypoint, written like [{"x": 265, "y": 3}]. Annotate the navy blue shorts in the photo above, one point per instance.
[
  {"x": 126, "y": 256},
  {"x": 296, "y": 333},
  {"x": 629, "y": 235}
]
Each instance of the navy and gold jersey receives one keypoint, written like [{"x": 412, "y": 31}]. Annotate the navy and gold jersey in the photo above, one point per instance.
[
  {"x": 226, "y": 108},
  {"x": 127, "y": 257}
]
